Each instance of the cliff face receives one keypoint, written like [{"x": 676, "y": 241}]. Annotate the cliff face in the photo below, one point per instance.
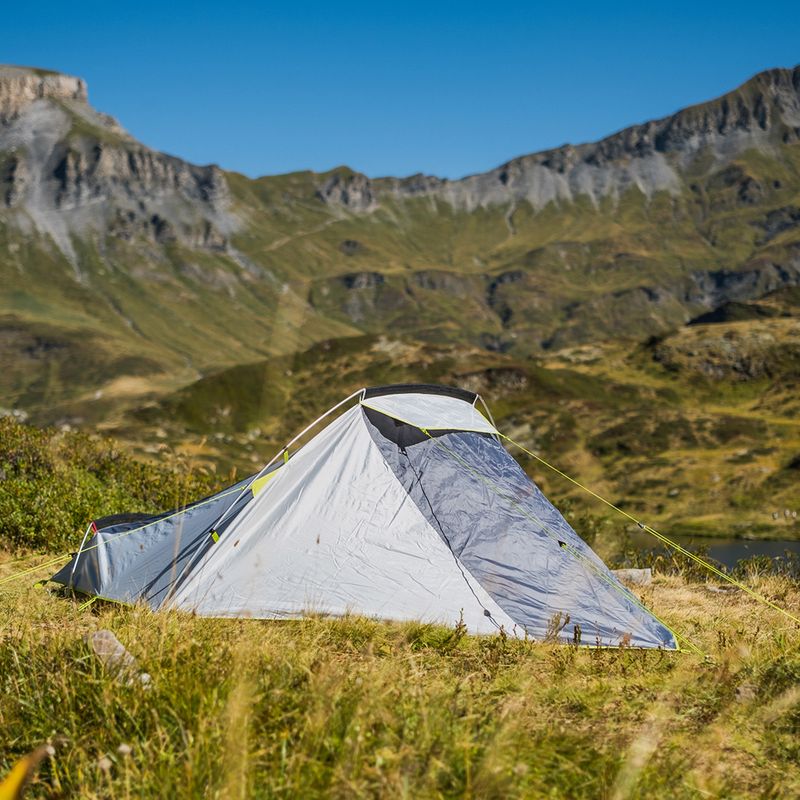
[
  {"x": 71, "y": 170},
  {"x": 19, "y": 87},
  {"x": 68, "y": 171}
]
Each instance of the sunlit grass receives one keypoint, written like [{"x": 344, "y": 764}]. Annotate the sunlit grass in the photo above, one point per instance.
[{"x": 359, "y": 708}]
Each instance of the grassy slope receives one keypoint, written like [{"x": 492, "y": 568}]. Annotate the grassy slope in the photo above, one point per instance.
[
  {"x": 355, "y": 708},
  {"x": 502, "y": 277},
  {"x": 358, "y": 708},
  {"x": 53, "y": 482},
  {"x": 670, "y": 430}
]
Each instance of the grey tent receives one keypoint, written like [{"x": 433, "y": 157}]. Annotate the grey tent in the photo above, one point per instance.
[{"x": 405, "y": 507}]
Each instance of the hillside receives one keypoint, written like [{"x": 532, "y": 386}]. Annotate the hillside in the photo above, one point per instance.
[
  {"x": 696, "y": 431},
  {"x": 125, "y": 270},
  {"x": 355, "y": 707},
  {"x": 629, "y": 307}
]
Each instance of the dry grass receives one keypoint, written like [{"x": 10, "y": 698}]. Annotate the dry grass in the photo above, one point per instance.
[{"x": 357, "y": 708}]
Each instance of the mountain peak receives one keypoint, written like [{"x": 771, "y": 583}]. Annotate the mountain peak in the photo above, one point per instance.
[
  {"x": 20, "y": 86},
  {"x": 786, "y": 78},
  {"x": 761, "y": 114},
  {"x": 73, "y": 172}
]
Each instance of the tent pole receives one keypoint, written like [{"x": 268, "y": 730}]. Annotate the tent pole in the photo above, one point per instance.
[
  {"x": 78, "y": 554},
  {"x": 193, "y": 561},
  {"x": 486, "y": 408},
  {"x": 280, "y": 452}
]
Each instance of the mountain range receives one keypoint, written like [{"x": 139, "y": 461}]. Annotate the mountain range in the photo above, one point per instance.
[{"x": 162, "y": 300}]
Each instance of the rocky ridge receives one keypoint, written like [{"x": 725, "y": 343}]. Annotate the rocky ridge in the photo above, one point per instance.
[
  {"x": 19, "y": 87},
  {"x": 651, "y": 157},
  {"x": 67, "y": 170}
]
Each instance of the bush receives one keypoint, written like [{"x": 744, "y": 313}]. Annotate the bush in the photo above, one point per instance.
[{"x": 52, "y": 483}]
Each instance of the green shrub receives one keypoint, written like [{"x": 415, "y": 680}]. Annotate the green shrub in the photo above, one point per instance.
[{"x": 52, "y": 483}]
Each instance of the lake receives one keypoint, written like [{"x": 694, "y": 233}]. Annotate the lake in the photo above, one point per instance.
[{"x": 727, "y": 551}]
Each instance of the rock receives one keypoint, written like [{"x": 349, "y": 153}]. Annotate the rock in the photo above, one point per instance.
[
  {"x": 745, "y": 693},
  {"x": 637, "y": 577},
  {"x": 648, "y": 157},
  {"x": 350, "y": 247},
  {"x": 73, "y": 171},
  {"x": 351, "y": 190},
  {"x": 721, "y": 589},
  {"x": 115, "y": 658},
  {"x": 20, "y": 87}
]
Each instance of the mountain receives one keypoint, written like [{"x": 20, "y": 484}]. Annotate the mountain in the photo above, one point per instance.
[
  {"x": 589, "y": 290},
  {"x": 159, "y": 265},
  {"x": 653, "y": 157}
]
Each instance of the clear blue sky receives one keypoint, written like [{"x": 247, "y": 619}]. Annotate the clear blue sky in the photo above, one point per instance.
[{"x": 394, "y": 88}]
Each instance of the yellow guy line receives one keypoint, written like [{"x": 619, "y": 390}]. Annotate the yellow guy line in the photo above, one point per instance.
[
  {"x": 618, "y": 587},
  {"x": 660, "y": 536},
  {"x": 67, "y": 556},
  {"x": 24, "y": 572}
]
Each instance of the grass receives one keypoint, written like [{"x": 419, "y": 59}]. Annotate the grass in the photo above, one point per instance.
[
  {"x": 54, "y": 482},
  {"x": 681, "y": 449},
  {"x": 582, "y": 272},
  {"x": 359, "y": 708},
  {"x": 153, "y": 318}
]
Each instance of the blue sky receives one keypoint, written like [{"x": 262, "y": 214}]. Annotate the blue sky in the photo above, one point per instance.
[{"x": 392, "y": 89}]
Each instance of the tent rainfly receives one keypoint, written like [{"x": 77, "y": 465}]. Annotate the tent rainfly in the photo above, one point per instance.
[{"x": 405, "y": 507}]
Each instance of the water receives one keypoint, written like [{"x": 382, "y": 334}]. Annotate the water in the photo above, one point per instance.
[{"x": 727, "y": 551}]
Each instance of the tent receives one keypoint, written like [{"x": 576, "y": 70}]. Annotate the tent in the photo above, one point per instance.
[{"x": 405, "y": 507}]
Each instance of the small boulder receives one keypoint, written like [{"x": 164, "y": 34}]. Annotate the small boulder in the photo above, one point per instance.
[
  {"x": 710, "y": 587},
  {"x": 746, "y": 692},
  {"x": 637, "y": 577},
  {"x": 115, "y": 658}
]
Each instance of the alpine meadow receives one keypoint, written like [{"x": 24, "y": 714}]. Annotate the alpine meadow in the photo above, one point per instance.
[{"x": 618, "y": 322}]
